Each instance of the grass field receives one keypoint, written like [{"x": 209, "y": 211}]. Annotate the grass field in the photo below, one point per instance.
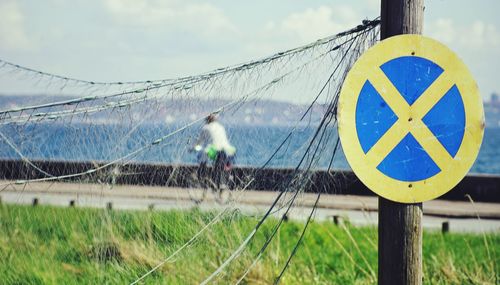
[{"x": 48, "y": 245}]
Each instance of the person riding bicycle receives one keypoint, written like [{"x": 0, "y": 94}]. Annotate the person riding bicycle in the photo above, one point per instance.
[{"x": 213, "y": 144}]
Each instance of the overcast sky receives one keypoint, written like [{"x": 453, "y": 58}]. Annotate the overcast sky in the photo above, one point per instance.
[{"x": 119, "y": 40}]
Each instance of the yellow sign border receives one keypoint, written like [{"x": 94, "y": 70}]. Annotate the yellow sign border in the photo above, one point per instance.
[{"x": 364, "y": 166}]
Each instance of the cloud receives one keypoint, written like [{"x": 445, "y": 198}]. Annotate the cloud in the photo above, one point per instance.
[
  {"x": 443, "y": 30},
  {"x": 171, "y": 15},
  {"x": 303, "y": 27},
  {"x": 479, "y": 35},
  {"x": 373, "y": 6},
  {"x": 12, "y": 32},
  {"x": 478, "y": 44},
  {"x": 323, "y": 21}
]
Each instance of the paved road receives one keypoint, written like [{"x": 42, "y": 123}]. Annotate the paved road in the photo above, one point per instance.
[{"x": 359, "y": 210}]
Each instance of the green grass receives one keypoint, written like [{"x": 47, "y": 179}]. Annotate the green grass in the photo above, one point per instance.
[{"x": 48, "y": 245}]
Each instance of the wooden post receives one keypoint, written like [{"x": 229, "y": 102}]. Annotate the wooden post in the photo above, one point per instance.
[
  {"x": 400, "y": 225},
  {"x": 399, "y": 243},
  {"x": 336, "y": 220},
  {"x": 445, "y": 227}
]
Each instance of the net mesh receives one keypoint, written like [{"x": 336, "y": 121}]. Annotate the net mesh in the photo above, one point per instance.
[{"x": 131, "y": 140}]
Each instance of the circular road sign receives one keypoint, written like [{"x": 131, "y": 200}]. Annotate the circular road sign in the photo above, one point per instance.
[{"x": 411, "y": 119}]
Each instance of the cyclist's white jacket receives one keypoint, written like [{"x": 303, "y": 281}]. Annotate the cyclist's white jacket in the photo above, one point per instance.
[{"x": 214, "y": 133}]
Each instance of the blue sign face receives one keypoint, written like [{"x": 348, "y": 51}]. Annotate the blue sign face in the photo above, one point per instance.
[{"x": 408, "y": 160}]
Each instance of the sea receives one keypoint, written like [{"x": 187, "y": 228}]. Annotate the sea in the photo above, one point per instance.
[{"x": 273, "y": 146}]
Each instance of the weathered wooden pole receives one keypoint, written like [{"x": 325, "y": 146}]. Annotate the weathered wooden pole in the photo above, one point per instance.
[{"x": 400, "y": 225}]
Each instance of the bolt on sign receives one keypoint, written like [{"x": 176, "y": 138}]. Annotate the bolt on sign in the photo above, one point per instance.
[{"x": 411, "y": 119}]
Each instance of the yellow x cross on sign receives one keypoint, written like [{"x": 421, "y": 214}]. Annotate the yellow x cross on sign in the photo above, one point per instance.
[{"x": 409, "y": 118}]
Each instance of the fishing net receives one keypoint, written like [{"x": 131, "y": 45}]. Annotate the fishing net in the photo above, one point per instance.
[{"x": 131, "y": 145}]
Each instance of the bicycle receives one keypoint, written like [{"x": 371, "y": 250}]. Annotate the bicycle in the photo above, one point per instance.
[{"x": 214, "y": 172}]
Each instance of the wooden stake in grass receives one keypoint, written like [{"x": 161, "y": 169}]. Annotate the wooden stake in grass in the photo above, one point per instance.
[
  {"x": 336, "y": 220},
  {"x": 445, "y": 227}
]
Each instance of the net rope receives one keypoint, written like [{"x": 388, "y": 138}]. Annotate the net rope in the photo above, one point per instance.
[{"x": 115, "y": 128}]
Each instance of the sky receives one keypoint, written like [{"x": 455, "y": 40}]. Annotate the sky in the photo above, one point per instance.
[{"x": 122, "y": 40}]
